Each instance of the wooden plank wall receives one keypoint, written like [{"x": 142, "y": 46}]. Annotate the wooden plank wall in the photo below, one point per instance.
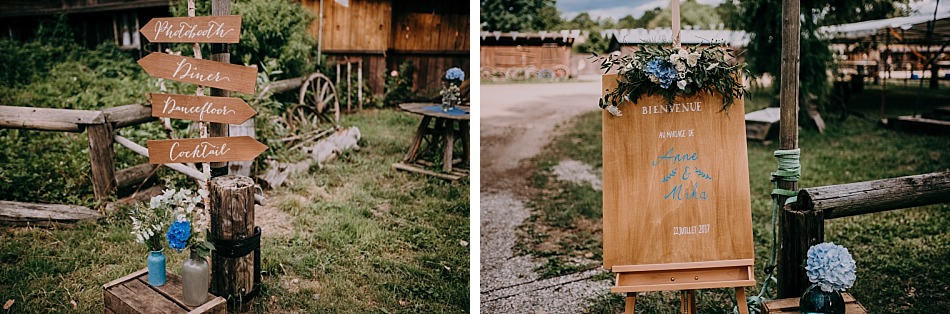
[
  {"x": 374, "y": 68},
  {"x": 363, "y": 26},
  {"x": 434, "y": 35},
  {"x": 540, "y": 57}
]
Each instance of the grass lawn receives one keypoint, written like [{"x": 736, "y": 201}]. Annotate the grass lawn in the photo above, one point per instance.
[
  {"x": 898, "y": 253},
  {"x": 365, "y": 239}
]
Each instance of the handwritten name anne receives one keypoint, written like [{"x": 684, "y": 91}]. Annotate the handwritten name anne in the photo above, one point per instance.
[
  {"x": 171, "y": 106},
  {"x": 674, "y": 108},
  {"x": 185, "y": 30}
]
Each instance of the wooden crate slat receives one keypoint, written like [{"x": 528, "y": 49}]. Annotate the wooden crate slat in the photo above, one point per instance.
[
  {"x": 145, "y": 296},
  {"x": 790, "y": 306},
  {"x": 133, "y": 294}
]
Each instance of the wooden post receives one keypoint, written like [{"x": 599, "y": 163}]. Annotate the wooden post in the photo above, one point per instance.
[
  {"x": 675, "y": 12},
  {"x": 232, "y": 218},
  {"x": 630, "y": 303},
  {"x": 220, "y": 53},
  {"x": 102, "y": 160},
  {"x": 359, "y": 84},
  {"x": 349, "y": 78},
  {"x": 788, "y": 261}
]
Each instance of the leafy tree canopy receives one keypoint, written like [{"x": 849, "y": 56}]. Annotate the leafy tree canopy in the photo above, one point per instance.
[
  {"x": 518, "y": 15},
  {"x": 692, "y": 13},
  {"x": 762, "y": 19}
]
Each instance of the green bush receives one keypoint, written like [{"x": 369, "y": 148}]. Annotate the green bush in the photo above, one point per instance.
[
  {"x": 270, "y": 30},
  {"x": 399, "y": 86}
]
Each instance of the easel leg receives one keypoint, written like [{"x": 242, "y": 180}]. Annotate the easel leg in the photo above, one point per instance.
[
  {"x": 740, "y": 301},
  {"x": 630, "y": 304},
  {"x": 688, "y": 302}
]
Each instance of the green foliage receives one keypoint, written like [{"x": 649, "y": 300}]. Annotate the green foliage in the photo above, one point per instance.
[
  {"x": 271, "y": 30},
  {"x": 399, "y": 86},
  {"x": 518, "y": 15},
  {"x": 691, "y": 13},
  {"x": 762, "y": 19},
  {"x": 595, "y": 44}
]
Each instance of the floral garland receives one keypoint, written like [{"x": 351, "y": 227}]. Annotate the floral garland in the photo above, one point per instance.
[{"x": 669, "y": 71}]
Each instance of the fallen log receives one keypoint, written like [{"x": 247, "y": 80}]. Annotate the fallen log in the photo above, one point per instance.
[
  {"x": 843, "y": 200},
  {"x": 42, "y": 214}
]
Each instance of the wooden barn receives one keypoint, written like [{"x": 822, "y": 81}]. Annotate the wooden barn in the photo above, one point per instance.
[
  {"x": 382, "y": 34},
  {"x": 92, "y": 21},
  {"x": 628, "y": 40},
  {"x": 518, "y": 55}
]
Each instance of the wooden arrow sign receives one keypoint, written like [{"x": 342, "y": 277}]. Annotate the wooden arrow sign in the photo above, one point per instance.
[
  {"x": 201, "y": 108},
  {"x": 212, "y": 149},
  {"x": 199, "y": 29},
  {"x": 201, "y": 72}
]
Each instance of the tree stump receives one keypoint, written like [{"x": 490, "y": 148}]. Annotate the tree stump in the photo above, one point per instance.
[{"x": 232, "y": 218}]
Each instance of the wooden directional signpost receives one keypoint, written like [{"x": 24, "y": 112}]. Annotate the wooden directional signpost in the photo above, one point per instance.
[
  {"x": 201, "y": 72},
  {"x": 235, "y": 266},
  {"x": 201, "y": 108},
  {"x": 199, "y": 29}
]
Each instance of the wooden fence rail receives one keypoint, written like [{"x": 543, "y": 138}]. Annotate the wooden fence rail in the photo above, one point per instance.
[
  {"x": 99, "y": 125},
  {"x": 815, "y": 205}
]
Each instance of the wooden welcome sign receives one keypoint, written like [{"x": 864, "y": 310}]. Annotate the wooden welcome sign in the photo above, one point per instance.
[{"x": 677, "y": 212}]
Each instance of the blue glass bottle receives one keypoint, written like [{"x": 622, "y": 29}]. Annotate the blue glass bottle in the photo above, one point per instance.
[
  {"x": 156, "y": 268},
  {"x": 817, "y": 301}
]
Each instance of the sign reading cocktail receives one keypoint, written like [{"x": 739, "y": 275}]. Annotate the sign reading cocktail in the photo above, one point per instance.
[{"x": 212, "y": 149}]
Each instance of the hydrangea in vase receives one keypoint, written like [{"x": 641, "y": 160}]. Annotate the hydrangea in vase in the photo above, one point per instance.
[
  {"x": 451, "y": 94},
  {"x": 831, "y": 269},
  {"x": 186, "y": 231}
]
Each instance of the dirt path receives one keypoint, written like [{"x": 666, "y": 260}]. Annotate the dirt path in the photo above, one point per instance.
[{"x": 517, "y": 121}]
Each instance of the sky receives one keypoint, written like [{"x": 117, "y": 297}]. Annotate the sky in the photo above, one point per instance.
[{"x": 620, "y": 8}]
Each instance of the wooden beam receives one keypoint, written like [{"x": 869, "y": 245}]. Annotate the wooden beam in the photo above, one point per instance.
[
  {"x": 128, "y": 115},
  {"x": 133, "y": 176},
  {"x": 45, "y": 119},
  {"x": 844, "y": 200},
  {"x": 102, "y": 160},
  {"x": 286, "y": 85},
  {"x": 20, "y": 213},
  {"x": 139, "y": 149},
  {"x": 789, "y": 257}
]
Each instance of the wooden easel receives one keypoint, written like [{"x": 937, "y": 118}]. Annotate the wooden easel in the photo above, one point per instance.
[
  {"x": 684, "y": 276},
  {"x": 688, "y": 277}
]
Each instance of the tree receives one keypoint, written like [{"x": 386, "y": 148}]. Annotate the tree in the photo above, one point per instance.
[
  {"x": 762, "y": 19},
  {"x": 518, "y": 15},
  {"x": 692, "y": 13},
  {"x": 728, "y": 11}
]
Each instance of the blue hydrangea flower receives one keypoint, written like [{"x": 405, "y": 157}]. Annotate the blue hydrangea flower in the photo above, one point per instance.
[
  {"x": 455, "y": 74},
  {"x": 830, "y": 266},
  {"x": 178, "y": 234},
  {"x": 664, "y": 71}
]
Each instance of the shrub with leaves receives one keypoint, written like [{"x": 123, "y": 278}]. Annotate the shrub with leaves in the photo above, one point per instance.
[{"x": 399, "y": 84}]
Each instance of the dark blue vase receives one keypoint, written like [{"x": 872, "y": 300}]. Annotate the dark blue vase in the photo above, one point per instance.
[
  {"x": 817, "y": 301},
  {"x": 156, "y": 268}
]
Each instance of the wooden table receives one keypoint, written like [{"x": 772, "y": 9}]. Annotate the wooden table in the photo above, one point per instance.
[{"x": 436, "y": 137}]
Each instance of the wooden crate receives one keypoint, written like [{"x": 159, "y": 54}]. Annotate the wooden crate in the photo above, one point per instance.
[
  {"x": 132, "y": 294},
  {"x": 790, "y": 306}
]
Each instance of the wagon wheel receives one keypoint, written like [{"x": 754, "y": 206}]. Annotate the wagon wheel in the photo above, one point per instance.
[
  {"x": 317, "y": 94},
  {"x": 486, "y": 73},
  {"x": 516, "y": 74},
  {"x": 561, "y": 72}
]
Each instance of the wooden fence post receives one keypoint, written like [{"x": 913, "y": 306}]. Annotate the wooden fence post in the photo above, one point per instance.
[
  {"x": 220, "y": 53},
  {"x": 232, "y": 218},
  {"x": 791, "y": 225},
  {"x": 102, "y": 160}
]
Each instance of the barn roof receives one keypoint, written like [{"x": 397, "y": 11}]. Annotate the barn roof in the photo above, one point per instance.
[
  {"x": 496, "y": 38},
  {"x": 911, "y": 28},
  {"x": 687, "y": 36}
]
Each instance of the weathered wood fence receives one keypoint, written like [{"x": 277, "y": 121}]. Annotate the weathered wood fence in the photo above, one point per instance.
[
  {"x": 815, "y": 205},
  {"x": 100, "y": 126}
]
